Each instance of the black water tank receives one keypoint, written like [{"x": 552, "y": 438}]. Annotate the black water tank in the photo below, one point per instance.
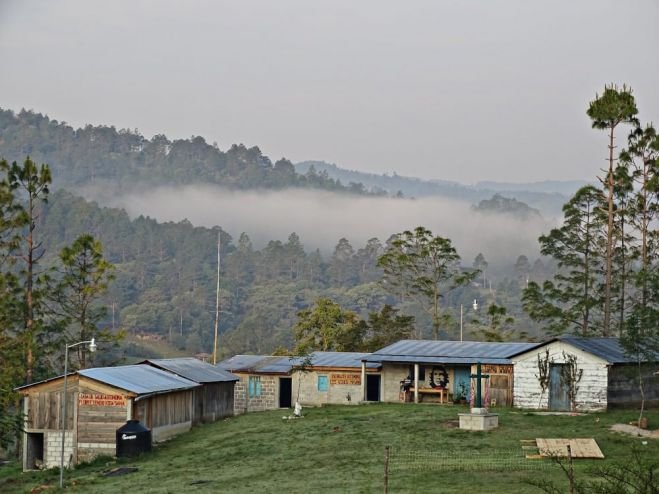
[{"x": 133, "y": 439}]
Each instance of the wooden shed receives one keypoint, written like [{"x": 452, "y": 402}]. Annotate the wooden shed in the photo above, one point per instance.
[
  {"x": 213, "y": 400},
  {"x": 99, "y": 401},
  {"x": 439, "y": 371},
  {"x": 609, "y": 377}
]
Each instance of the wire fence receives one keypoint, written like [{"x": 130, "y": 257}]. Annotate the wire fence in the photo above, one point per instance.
[{"x": 401, "y": 460}]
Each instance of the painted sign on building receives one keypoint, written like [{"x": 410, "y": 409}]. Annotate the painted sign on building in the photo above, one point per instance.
[
  {"x": 496, "y": 369},
  {"x": 348, "y": 378},
  {"x": 101, "y": 400}
]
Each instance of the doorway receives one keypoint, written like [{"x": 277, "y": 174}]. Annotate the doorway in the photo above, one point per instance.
[
  {"x": 285, "y": 392},
  {"x": 373, "y": 388},
  {"x": 34, "y": 451},
  {"x": 559, "y": 399}
]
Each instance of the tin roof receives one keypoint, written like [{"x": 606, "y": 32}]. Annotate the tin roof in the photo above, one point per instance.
[
  {"x": 340, "y": 359},
  {"x": 193, "y": 369},
  {"x": 284, "y": 365},
  {"x": 257, "y": 363},
  {"x": 139, "y": 379},
  {"x": 608, "y": 349},
  {"x": 448, "y": 352}
]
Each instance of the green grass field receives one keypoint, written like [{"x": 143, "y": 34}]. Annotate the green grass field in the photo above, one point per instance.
[{"x": 341, "y": 449}]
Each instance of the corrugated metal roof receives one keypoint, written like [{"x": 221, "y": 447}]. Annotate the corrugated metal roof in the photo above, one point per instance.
[
  {"x": 193, "y": 369},
  {"x": 340, "y": 359},
  {"x": 443, "y": 360},
  {"x": 447, "y": 352},
  {"x": 608, "y": 349},
  {"x": 140, "y": 379},
  {"x": 239, "y": 362},
  {"x": 257, "y": 363},
  {"x": 284, "y": 365}
]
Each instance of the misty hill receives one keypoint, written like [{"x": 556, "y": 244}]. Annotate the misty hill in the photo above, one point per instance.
[
  {"x": 548, "y": 197},
  {"x": 124, "y": 159}
]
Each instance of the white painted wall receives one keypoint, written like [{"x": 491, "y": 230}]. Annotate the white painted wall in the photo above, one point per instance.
[{"x": 592, "y": 387}]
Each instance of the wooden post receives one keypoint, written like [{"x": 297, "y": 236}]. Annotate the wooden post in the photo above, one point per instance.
[
  {"x": 416, "y": 383},
  {"x": 386, "y": 469},
  {"x": 363, "y": 381},
  {"x": 570, "y": 471}
]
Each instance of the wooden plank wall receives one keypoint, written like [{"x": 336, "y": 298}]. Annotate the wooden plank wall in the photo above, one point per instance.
[
  {"x": 45, "y": 409},
  {"x": 99, "y": 424},
  {"x": 213, "y": 401},
  {"x": 501, "y": 383},
  {"x": 164, "y": 409}
]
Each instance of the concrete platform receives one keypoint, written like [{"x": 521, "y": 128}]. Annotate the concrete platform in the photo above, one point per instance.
[{"x": 481, "y": 420}]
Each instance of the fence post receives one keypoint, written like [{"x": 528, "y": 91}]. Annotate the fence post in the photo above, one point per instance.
[
  {"x": 570, "y": 475},
  {"x": 386, "y": 470}
]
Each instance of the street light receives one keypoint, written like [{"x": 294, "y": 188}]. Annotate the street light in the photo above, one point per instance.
[
  {"x": 475, "y": 306},
  {"x": 92, "y": 348}
]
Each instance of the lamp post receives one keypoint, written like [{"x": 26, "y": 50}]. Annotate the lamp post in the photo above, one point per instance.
[{"x": 92, "y": 348}]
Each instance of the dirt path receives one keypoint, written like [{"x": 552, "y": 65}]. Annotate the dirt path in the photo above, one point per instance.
[{"x": 635, "y": 431}]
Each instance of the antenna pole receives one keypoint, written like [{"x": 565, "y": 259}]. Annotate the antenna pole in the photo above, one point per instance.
[{"x": 217, "y": 300}]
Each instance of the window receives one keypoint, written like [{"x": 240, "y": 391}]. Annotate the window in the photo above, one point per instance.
[
  {"x": 323, "y": 384},
  {"x": 254, "y": 387}
]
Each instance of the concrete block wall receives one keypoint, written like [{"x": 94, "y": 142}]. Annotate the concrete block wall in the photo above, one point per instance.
[
  {"x": 268, "y": 400},
  {"x": 53, "y": 448},
  {"x": 336, "y": 393},
  {"x": 392, "y": 375}
]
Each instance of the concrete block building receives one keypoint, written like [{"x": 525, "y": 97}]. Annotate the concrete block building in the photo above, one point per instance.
[
  {"x": 432, "y": 370},
  {"x": 270, "y": 382}
]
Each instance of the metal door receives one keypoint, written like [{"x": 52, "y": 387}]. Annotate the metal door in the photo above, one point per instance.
[
  {"x": 461, "y": 382},
  {"x": 558, "y": 390}
]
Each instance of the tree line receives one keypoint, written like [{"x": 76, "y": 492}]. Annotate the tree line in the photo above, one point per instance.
[
  {"x": 607, "y": 246},
  {"x": 124, "y": 159},
  {"x": 43, "y": 305}
]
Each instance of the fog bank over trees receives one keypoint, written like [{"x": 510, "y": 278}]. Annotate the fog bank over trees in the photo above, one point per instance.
[{"x": 321, "y": 218}]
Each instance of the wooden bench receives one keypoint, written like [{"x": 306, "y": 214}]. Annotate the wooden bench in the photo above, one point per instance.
[{"x": 441, "y": 392}]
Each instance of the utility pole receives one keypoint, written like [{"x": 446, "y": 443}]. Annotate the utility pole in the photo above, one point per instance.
[{"x": 217, "y": 300}]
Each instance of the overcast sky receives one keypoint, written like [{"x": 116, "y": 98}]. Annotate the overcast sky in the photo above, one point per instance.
[{"x": 455, "y": 90}]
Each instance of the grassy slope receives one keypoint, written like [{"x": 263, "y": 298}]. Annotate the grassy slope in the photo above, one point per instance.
[{"x": 339, "y": 449}]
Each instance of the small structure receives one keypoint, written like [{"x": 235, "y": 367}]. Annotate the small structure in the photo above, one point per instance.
[
  {"x": 213, "y": 400},
  {"x": 336, "y": 378},
  {"x": 100, "y": 401},
  {"x": 265, "y": 382},
  {"x": 432, "y": 370},
  {"x": 268, "y": 382},
  {"x": 607, "y": 377}
]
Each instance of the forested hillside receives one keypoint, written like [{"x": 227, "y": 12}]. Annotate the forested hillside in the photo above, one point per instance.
[
  {"x": 165, "y": 280},
  {"x": 165, "y": 272},
  {"x": 124, "y": 159}
]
